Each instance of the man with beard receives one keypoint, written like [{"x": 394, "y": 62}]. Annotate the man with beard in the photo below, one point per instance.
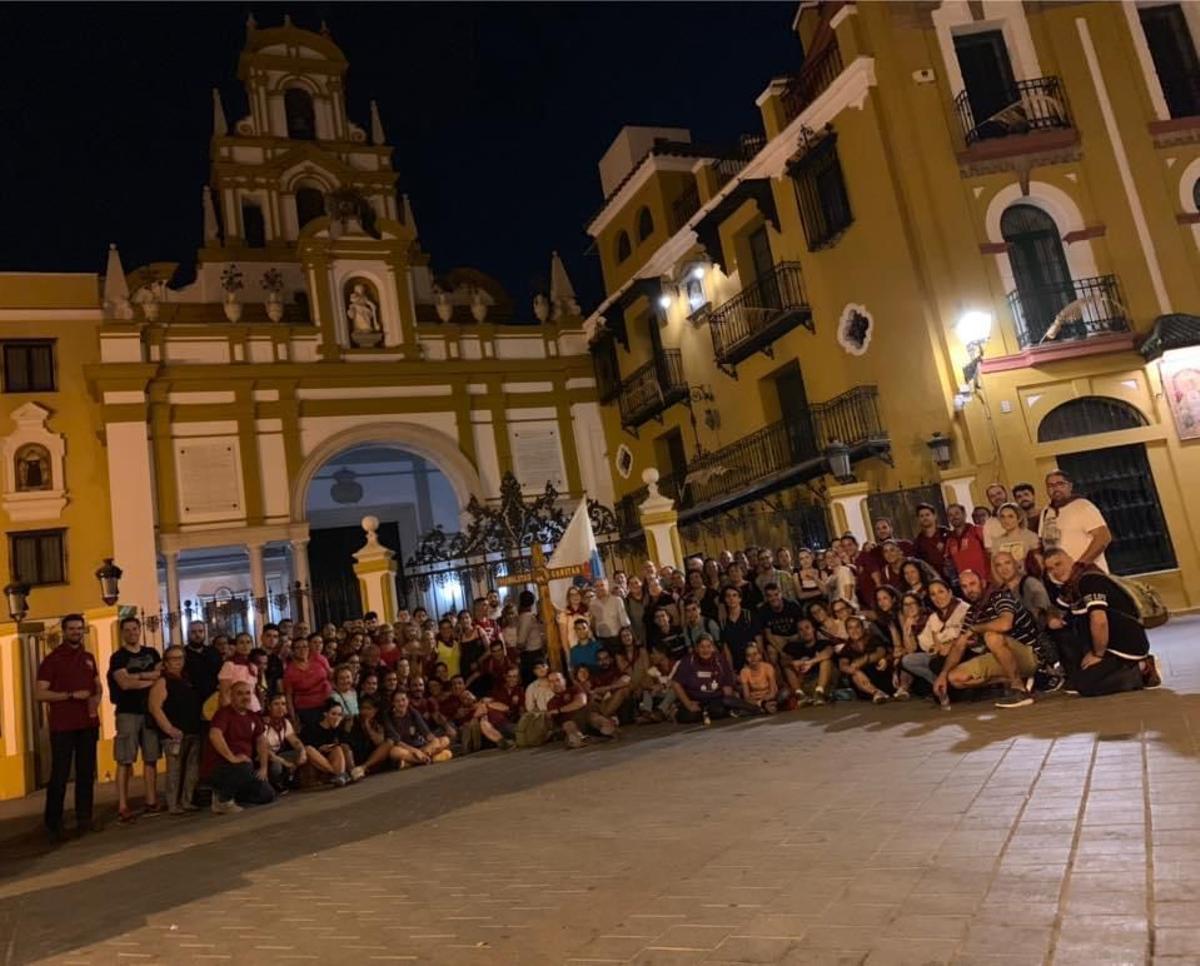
[
  {"x": 1025, "y": 497},
  {"x": 1073, "y": 524}
]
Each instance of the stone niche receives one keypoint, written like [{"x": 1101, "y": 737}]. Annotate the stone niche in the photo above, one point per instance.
[{"x": 34, "y": 465}]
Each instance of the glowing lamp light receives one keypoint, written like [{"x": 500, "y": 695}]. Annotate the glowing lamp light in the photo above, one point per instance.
[
  {"x": 664, "y": 302},
  {"x": 974, "y": 328},
  {"x": 698, "y": 273}
]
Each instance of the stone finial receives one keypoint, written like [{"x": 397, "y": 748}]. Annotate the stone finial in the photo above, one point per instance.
[
  {"x": 479, "y": 305},
  {"x": 541, "y": 307},
  {"x": 372, "y": 549},
  {"x": 562, "y": 292},
  {"x": 650, "y": 478},
  {"x": 116, "y": 288},
  {"x": 210, "y": 217},
  {"x": 376, "y": 125},
  {"x": 220, "y": 125},
  {"x": 409, "y": 219},
  {"x": 370, "y": 525}
]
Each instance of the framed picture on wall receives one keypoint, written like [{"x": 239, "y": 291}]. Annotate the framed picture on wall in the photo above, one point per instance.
[{"x": 1181, "y": 386}]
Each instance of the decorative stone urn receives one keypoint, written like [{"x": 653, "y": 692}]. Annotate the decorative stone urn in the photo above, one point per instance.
[
  {"x": 274, "y": 306},
  {"x": 232, "y": 307}
]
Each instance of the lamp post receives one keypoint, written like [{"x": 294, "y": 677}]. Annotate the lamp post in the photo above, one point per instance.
[
  {"x": 17, "y": 596},
  {"x": 939, "y": 446},
  {"x": 109, "y": 576},
  {"x": 837, "y": 454}
]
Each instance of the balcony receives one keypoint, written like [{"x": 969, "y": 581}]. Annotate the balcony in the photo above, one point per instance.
[
  {"x": 781, "y": 454},
  {"x": 1068, "y": 311},
  {"x": 683, "y": 207},
  {"x": 758, "y": 315},
  {"x": 652, "y": 388},
  {"x": 1037, "y": 104},
  {"x": 817, "y": 74}
]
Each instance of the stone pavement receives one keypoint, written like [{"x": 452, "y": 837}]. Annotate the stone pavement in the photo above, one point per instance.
[{"x": 1067, "y": 833}]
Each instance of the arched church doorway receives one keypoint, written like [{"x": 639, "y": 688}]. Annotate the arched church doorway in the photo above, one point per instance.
[{"x": 407, "y": 492}]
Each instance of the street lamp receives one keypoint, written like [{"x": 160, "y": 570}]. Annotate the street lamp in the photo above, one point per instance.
[
  {"x": 837, "y": 454},
  {"x": 109, "y": 576},
  {"x": 939, "y": 446},
  {"x": 973, "y": 329},
  {"x": 17, "y": 595}
]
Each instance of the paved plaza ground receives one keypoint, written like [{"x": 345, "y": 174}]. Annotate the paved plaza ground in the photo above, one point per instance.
[{"x": 1068, "y": 833}]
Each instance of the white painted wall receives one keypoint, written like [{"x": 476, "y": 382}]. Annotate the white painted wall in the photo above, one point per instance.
[{"x": 132, "y": 504}]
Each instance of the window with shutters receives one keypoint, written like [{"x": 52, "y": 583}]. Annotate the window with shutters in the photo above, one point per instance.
[
  {"x": 29, "y": 365},
  {"x": 821, "y": 192},
  {"x": 38, "y": 557}
]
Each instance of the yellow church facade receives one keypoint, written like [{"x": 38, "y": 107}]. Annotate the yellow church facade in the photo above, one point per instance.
[
  {"x": 964, "y": 247},
  {"x": 221, "y": 436}
]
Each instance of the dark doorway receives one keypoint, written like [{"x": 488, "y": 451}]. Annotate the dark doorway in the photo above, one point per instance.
[
  {"x": 301, "y": 117},
  {"x": 1118, "y": 480},
  {"x": 763, "y": 265},
  {"x": 254, "y": 229},
  {"x": 335, "y": 594},
  {"x": 1174, "y": 56},
  {"x": 794, "y": 411},
  {"x": 310, "y": 204},
  {"x": 1039, "y": 267},
  {"x": 987, "y": 77}
]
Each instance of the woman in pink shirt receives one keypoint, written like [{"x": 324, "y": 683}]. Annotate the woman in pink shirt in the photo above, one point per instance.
[
  {"x": 306, "y": 682},
  {"x": 240, "y": 669}
]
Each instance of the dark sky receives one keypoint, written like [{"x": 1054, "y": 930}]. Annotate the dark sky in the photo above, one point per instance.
[{"x": 498, "y": 115}]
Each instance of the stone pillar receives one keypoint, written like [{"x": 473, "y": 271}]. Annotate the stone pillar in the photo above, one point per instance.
[
  {"x": 103, "y": 639},
  {"x": 375, "y": 567},
  {"x": 956, "y": 488},
  {"x": 848, "y": 506},
  {"x": 132, "y": 507},
  {"x": 17, "y": 764},
  {"x": 258, "y": 588},
  {"x": 178, "y": 635},
  {"x": 660, "y": 523},
  {"x": 300, "y": 576}
]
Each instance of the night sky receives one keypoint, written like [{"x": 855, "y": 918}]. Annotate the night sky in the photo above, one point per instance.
[{"x": 498, "y": 115}]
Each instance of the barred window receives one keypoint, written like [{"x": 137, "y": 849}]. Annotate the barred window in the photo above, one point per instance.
[
  {"x": 607, "y": 367},
  {"x": 38, "y": 557},
  {"x": 29, "y": 365},
  {"x": 821, "y": 193}
]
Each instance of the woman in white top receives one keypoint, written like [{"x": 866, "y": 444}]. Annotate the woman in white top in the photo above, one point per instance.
[
  {"x": 240, "y": 669},
  {"x": 941, "y": 630},
  {"x": 839, "y": 579}
]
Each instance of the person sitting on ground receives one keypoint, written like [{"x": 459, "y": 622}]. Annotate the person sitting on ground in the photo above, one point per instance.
[
  {"x": 500, "y": 711},
  {"x": 326, "y": 749},
  {"x": 886, "y": 626},
  {"x": 569, "y": 713},
  {"x": 1104, "y": 646},
  {"x": 494, "y": 667},
  {"x": 808, "y": 665},
  {"x": 1008, "y": 571},
  {"x": 236, "y": 738},
  {"x": 584, "y": 647},
  {"x": 703, "y": 684},
  {"x": 999, "y": 636},
  {"x": 610, "y": 686},
  {"x": 758, "y": 682},
  {"x": 665, "y": 635},
  {"x": 446, "y": 647},
  {"x": 939, "y": 629},
  {"x": 368, "y": 738},
  {"x": 656, "y": 696},
  {"x": 389, "y": 650},
  {"x": 174, "y": 708},
  {"x": 413, "y": 741},
  {"x": 828, "y": 626},
  {"x": 777, "y": 622},
  {"x": 632, "y": 659},
  {"x": 432, "y": 713},
  {"x": 285, "y": 750},
  {"x": 458, "y": 705},
  {"x": 865, "y": 661}
]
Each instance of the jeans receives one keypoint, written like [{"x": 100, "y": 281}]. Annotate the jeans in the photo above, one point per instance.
[
  {"x": 923, "y": 665},
  {"x": 183, "y": 766},
  {"x": 79, "y": 745},
  {"x": 241, "y": 783},
  {"x": 1111, "y": 676}
]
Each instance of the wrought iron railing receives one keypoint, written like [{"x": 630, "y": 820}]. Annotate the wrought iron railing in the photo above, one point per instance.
[
  {"x": 760, "y": 313},
  {"x": 798, "y": 438},
  {"x": 731, "y": 162},
  {"x": 651, "y": 388},
  {"x": 1067, "y": 311},
  {"x": 683, "y": 207},
  {"x": 1036, "y": 104},
  {"x": 816, "y": 75}
]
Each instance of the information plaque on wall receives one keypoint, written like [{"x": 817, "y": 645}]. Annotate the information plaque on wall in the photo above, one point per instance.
[
  {"x": 208, "y": 478},
  {"x": 537, "y": 456}
]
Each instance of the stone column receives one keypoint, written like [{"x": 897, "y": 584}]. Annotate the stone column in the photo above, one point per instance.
[
  {"x": 103, "y": 639},
  {"x": 956, "y": 488},
  {"x": 375, "y": 568},
  {"x": 258, "y": 588},
  {"x": 178, "y": 633},
  {"x": 300, "y": 576},
  {"x": 660, "y": 523},
  {"x": 17, "y": 777},
  {"x": 848, "y": 506}
]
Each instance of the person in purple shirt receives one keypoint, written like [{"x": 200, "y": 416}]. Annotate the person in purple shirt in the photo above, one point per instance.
[{"x": 704, "y": 685}]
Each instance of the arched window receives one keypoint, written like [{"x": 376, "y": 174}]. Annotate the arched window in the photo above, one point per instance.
[
  {"x": 1039, "y": 267},
  {"x": 1196, "y": 194},
  {"x": 33, "y": 468},
  {"x": 310, "y": 204},
  {"x": 645, "y": 224},
  {"x": 1088, "y": 415},
  {"x": 624, "y": 249},
  {"x": 301, "y": 117}
]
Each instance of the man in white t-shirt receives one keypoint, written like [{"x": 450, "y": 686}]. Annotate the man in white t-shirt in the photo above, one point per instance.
[
  {"x": 997, "y": 496},
  {"x": 1073, "y": 523}
]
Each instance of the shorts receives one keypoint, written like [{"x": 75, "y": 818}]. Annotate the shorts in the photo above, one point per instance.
[
  {"x": 985, "y": 667},
  {"x": 134, "y": 733}
]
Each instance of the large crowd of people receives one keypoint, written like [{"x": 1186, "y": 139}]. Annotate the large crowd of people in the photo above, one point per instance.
[{"x": 1010, "y": 598}]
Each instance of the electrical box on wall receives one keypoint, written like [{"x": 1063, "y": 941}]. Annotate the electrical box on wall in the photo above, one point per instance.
[{"x": 924, "y": 76}]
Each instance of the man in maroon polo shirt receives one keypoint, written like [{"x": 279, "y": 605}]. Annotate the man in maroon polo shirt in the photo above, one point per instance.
[
  {"x": 69, "y": 682},
  {"x": 931, "y": 538},
  {"x": 235, "y": 738},
  {"x": 964, "y": 546}
]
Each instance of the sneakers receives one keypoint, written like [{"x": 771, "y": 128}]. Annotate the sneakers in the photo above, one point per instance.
[
  {"x": 444, "y": 755},
  {"x": 340, "y": 781},
  {"x": 358, "y": 773},
  {"x": 944, "y": 702},
  {"x": 818, "y": 697},
  {"x": 902, "y": 694},
  {"x": 1150, "y": 677},
  {"x": 225, "y": 808},
  {"x": 1014, "y": 698},
  {"x": 879, "y": 698}
]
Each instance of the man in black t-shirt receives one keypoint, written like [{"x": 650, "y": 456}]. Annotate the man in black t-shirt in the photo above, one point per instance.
[
  {"x": 777, "y": 621},
  {"x": 739, "y": 629},
  {"x": 1103, "y": 644},
  {"x": 808, "y": 665},
  {"x": 132, "y": 671},
  {"x": 201, "y": 661}
]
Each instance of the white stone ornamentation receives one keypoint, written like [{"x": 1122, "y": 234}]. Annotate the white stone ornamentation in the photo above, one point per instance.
[
  {"x": 855, "y": 329},
  {"x": 34, "y": 457}
]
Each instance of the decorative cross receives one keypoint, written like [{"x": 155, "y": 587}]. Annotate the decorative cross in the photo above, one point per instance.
[{"x": 540, "y": 575}]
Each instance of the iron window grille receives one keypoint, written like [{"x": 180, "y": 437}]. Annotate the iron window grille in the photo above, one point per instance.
[{"x": 821, "y": 191}]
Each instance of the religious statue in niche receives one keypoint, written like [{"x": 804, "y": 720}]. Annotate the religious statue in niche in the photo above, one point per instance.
[
  {"x": 32, "y": 468},
  {"x": 362, "y": 312}
]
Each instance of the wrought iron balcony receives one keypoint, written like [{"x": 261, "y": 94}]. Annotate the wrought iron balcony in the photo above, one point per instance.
[
  {"x": 817, "y": 74},
  {"x": 759, "y": 314},
  {"x": 1036, "y": 104},
  {"x": 683, "y": 207},
  {"x": 1066, "y": 311},
  {"x": 652, "y": 388}
]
